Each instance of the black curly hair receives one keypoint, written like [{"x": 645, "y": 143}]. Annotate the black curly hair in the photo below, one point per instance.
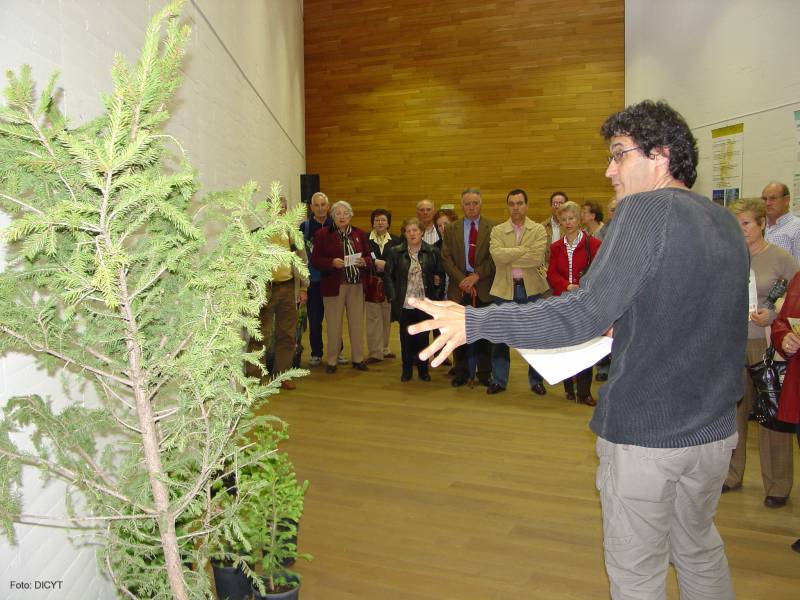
[{"x": 657, "y": 125}]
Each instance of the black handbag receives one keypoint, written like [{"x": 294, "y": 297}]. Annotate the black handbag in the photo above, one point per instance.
[{"x": 767, "y": 376}]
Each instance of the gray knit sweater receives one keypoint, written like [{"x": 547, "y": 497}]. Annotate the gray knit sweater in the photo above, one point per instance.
[{"x": 671, "y": 277}]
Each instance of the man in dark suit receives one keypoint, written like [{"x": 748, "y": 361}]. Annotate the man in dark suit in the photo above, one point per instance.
[{"x": 468, "y": 264}]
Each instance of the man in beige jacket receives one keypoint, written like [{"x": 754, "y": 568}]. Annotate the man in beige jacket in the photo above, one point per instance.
[{"x": 517, "y": 247}]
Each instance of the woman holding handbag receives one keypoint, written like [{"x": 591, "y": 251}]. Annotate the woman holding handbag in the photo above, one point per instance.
[
  {"x": 570, "y": 258},
  {"x": 768, "y": 263},
  {"x": 413, "y": 270},
  {"x": 377, "y": 306},
  {"x": 787, "y": 342}
]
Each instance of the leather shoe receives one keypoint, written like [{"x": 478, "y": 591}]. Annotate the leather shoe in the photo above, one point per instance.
[
  {"x": 424, "y": 376},
  {"x": 729, "y": 488},
  {"x": 495, "y": 388},
  {"x": 288, "y": 385},
  {"x": 601, "y": 377},
  {"x": 330, "y": 369},
  {"x": 406, "y": 376},
  {"x": 390, "y": 355},
  {"x": 360, "y": 366},
  {"x": 589, "y": 401},
  {"x": 796, "y": 545},
  {"x": 372, "y": 360},
  {"x": 571, "y": 397},
  {"x": 538, "y": 388},
  {"x": 459, "y": 381},
  {"x": 774, "y": 501}
]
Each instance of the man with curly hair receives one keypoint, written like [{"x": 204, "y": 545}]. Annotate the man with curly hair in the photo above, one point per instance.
[{"x": 664, "y": 435}]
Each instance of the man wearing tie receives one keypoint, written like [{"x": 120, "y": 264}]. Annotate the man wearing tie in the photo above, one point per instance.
[{"x": 469, "y": 266}]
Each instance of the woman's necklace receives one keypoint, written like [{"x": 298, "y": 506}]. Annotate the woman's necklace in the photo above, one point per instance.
[{"x": 764, "y": 244}]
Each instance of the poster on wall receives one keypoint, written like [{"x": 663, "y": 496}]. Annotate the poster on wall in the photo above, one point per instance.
[
  {"x": 797, "y": 133},
  {"x": 727, "y": 163},
  {"x": 796, "y": 195}
]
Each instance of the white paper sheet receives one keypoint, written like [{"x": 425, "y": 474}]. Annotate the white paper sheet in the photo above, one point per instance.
[
  {"x": 351, "y": 259},
  {"x": 556, "y": 364},
  {"x": 752, "y": 293}
]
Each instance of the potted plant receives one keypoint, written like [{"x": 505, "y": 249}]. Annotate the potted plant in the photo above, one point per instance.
[
  {"x": 268, "y": 502},
  {"x": 110, "y": 276}
]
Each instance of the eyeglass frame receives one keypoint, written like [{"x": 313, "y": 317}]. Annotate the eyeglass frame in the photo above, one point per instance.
[{"x": 617, "y": 155}]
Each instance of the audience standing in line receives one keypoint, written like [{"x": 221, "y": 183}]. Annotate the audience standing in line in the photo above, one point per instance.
[
  {"x": 788, "y": 343},
  {"x": 783, "y": 227},
  {"x": 342, "y": 254},
  {"x": 570, "y": 258},
  {"x": 592, "y": 219},
  {"x": 287, "y": 289},
  {"x": 517, "y": 247},
  {"x": 425, "y": 211},
  {"x": 768, "y": 263},
  {"x": 379, "y": 313},
  {"x": 469, "y": 266},
  {"x": 413, "y": 270}
]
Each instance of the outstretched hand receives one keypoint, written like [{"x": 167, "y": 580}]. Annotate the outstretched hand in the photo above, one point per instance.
[{"x": 449, "y": 318}]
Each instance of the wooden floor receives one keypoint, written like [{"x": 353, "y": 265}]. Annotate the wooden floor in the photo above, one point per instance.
[{"x": 421, "y": 491}]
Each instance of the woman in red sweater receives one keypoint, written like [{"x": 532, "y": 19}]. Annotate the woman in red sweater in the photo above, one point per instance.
[
  {"x": 788, "y": 343},
  {"x": 570, "y": 257}
]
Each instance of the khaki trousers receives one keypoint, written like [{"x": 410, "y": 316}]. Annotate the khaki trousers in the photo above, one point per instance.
[
  {"x": 658, "y": 507},
  {"x": 775, "y": 447},
  {"x": 378, "y": 322},
  {"x": 282, "y": 310},
  {"x": 350, "y": 300}
]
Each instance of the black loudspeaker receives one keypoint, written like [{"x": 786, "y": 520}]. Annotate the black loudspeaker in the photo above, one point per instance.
[{"x": 309, "y": 185}]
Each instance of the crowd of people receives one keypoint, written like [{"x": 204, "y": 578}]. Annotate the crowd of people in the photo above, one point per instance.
[
  {"x": 371, "y": 276},
  {"x": 671, "y": 435}
]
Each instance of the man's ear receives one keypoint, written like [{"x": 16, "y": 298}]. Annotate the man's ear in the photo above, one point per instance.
[{"x": 660, "y": 152}]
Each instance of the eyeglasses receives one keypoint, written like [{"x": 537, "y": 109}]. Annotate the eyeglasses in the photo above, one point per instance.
[{"x": 617, "y": 155}]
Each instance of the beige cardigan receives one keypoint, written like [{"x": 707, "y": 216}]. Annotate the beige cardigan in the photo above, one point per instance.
[{"x": 528, "y": 255}]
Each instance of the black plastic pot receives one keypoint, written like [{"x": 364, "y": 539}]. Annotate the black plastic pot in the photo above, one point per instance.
[
  {"x": 292, "y": 594},
  {"x": 231, "y": 583}
]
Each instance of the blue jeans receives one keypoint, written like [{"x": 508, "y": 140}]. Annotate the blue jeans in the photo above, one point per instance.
[{"x": 501, "y": 356}]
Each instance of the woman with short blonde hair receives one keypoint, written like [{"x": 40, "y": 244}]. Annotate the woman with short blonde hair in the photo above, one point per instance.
[{"x": 768, "y": 263}]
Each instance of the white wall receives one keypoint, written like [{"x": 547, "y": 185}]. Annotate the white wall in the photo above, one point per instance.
[
  {"x": 720, "y": 62},
  {"x": 239, "y": 115}
]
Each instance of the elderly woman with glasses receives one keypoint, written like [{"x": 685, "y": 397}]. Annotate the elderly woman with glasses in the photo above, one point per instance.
[{"x": 342, "y": 255}]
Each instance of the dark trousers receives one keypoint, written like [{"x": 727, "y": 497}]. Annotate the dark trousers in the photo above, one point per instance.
[
  {"x": 584, "y": 381},
  {"x": 480, "y": 352},
  {"x": 501, "y": 356},
  {"x": 316, "y": 312},
  {"x": 412, "y": 345}
]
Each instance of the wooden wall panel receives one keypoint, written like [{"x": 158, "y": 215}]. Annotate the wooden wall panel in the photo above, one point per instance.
[{"x": 407, "y": 99}]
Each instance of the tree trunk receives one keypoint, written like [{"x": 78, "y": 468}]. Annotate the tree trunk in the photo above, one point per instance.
[{"x": 155, "y": 471}]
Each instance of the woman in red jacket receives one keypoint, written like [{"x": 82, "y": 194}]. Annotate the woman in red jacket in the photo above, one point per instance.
[
  {"x": 788, "y": 343},
  {"x": 342, "y": 255},
  {"x": 570, "y": 257}
]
